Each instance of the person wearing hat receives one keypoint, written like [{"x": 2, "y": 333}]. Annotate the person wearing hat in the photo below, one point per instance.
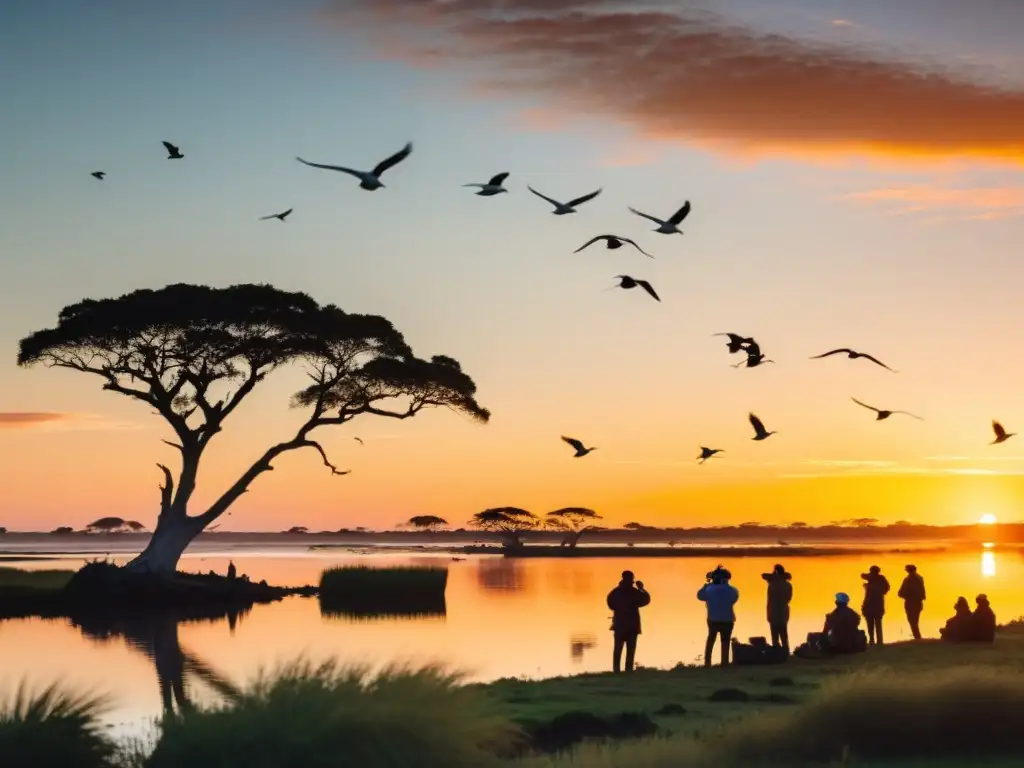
[
  {"x": 913, "y": 595},
  {"x": 876, "y": 587},
  {"x": 841, "y": 627},
  {"x": 625, "y": 602},
  {"x": 719, "y": 596},
  {"x": 780, "y": 593}
]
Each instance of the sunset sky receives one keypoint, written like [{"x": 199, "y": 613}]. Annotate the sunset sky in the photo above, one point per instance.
[{"x": 855, "y": 172}]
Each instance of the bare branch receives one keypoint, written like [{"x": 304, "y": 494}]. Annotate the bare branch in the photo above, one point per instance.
[
  {"x": 323, "y": 455},
  {"x": 166, "y": 490},
  {"x": 173, "y": 445}
]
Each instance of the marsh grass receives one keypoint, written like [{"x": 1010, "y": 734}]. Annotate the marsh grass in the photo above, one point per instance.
[
  {"x": 54, "y": 728},
  {"x": 879, "y": 717},
  {"x": 329, "y": 716},
  {"x": 19, "y": 578},
  {"x": 363, "y": 591}
]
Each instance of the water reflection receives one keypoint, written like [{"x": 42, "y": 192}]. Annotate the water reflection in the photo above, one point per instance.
[
  {"x": 988, "y": 564},
  {"x": 500, "y": 574},
  {"x": 580, "y": 643}
]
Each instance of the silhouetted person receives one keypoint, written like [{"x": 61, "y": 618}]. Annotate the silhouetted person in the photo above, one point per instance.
[
  {"x": 840, "y": 634},
  {"x": 232, "y": 572},
  {"x": 912, "y": 592},
  {"x": 876, "y": 587},
  {"x": 780, "y": 593},
  {"x": 720, "y": 597},
  {"x": 983, "y": 622},
  {"x": 625, "y": 602},
  {"x": 958, "y": 626}
]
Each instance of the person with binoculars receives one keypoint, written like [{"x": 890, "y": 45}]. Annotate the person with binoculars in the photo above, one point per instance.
[{"x": 720, "y": 596}]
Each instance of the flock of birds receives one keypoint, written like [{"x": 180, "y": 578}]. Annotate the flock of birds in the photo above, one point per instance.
[{"x": 370, "y": 181}]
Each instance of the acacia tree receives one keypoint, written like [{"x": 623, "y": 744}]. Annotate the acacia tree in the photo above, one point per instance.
[
  {"x": 193, "y": 353},
  {"x": 429, "y": 523},
  {"x": 574, "y": 521},
  {"x": 508, "y": 522}
]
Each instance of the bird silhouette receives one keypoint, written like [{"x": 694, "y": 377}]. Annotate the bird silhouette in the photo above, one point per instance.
[
  {"x": 631, "y": 282},
  {"x": 613, "y": 241},
  {"x": 492, "y": 187},
  {"x": 706, "y": 453},
  {"x": 99, "y": 174},
  {"x": 736, "y": 342},
  {"x": 581, "y": 451},
  {"x": 671, "y": 225},
  {"x": 760, "y": 433},
  {"x": 359, "y": 440},
  {"x": 563, "y": 208},
  {"x": 173, "y": 153},
  {"x": 853, "y": 355},
  {"x": 368, "y": 180},
  {"x": 1001, "y": 434},
  {"x": 280, "y": 216},
  {"x": 883, "y": 414}
]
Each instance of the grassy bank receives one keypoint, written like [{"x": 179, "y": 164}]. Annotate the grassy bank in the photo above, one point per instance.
[
  {"x": 368, "y": 592},
  {"x": 18, "y": 578}
]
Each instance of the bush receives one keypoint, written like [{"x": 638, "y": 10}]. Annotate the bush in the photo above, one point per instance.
[
  {"x": 375, "y": 591},
  {"x": 54, "y": 728},
  {"x": 326, "y": 716}
]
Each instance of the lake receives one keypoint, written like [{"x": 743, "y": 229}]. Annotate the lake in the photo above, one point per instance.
[{"x": 504, "y": 618}]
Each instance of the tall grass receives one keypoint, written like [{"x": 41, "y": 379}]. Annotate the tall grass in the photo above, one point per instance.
[
  {"x": 372, "y": 591},
  {"x": 54, "y": 728},
  {"x": 966, "y": 716},
  {"x": 19, "y": 578},
  {"x": 328, "y": 716}
]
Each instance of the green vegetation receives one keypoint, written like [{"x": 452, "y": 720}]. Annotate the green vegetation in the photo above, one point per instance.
[
  {"x": 54, "y": 728},
  {"x": 19, "y": 578},
  {"x": 326, "y": 716},
  {"x": 363, "y": 591}
]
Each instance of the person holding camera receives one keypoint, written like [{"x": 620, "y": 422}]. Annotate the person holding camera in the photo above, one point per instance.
[
  {"x": 625, "y": 602},
  {"x": 720, "y": 596}
]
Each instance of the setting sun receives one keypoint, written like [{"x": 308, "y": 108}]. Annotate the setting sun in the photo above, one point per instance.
[{"x": 987, "y": 519}]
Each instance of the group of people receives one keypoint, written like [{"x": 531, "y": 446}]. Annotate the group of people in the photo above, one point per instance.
[{"x": 841, "y": 632}]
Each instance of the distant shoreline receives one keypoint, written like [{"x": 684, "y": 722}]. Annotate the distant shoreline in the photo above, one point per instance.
[{"x": 708, "y": 552}]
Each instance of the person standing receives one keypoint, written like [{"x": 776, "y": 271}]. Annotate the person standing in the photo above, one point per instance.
[
  {"x": 625, "y": 602},
  {"x": 720, "y": 596},
  {"x": 876, "y": 587},
  {"x": 780, "y": 593},
  {"x": 913, "y": 595}
]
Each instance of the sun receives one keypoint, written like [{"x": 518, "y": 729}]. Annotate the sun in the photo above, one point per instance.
[{"x": 987, "y": 519}]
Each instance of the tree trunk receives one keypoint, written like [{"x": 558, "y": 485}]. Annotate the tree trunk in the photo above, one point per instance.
[{"x": 169, "y": 542}]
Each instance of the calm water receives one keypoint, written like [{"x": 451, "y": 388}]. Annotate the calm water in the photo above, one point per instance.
[{"x": 533, "y": 618}]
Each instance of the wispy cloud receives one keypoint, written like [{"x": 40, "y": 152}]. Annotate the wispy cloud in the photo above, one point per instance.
[
  {"x": 59, "y": 421},
  {"x": 844, "y": 23},
  {"x": 852, "y": 463},
  {"x": 968, "y": 203},
  {"x": 679, "y": 73}
]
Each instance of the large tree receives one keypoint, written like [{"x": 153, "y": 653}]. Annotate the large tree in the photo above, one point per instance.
[
  {"x": 427, "y": 523},
  {"x": 510, "y": 523},
  {"x": 574, "y": 521},
  {"x": 193, "y": 353}
]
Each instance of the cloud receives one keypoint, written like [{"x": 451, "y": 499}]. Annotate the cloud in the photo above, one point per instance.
[
  {"x": 844, "y": 23},
  {"x": 59, "y": 420},
  {"x": 680, "y": 74},
  {"x": 969, "y": 203},
  {"x": 852, "y": 463}
]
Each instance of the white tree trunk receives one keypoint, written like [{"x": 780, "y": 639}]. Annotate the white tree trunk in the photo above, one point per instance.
[{"x": 170, "y": 540}]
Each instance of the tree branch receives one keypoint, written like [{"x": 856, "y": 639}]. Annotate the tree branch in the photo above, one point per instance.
[
  {"x": 166, "y": 490},
  {"x": 323, "y": 455}
]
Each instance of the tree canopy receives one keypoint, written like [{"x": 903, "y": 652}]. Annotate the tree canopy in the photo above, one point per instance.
[
  {"x": 193, "y": 353},
  {"x": 426, "y": 522},
  {"x": 574, "y": 519}
]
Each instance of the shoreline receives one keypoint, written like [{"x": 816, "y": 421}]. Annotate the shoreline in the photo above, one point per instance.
[{"x": 691, "y": 552}]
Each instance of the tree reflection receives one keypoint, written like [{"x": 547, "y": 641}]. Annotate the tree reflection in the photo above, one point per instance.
[{"x": 501, "y": 574}]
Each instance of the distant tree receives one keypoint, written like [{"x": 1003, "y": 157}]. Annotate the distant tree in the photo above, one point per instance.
[
  {"x": 106, "y": 525},
  {"x": 297, "y": 529},
  {"x": 798, "y": 525},
  {"x": 2, "y": 530},
  {"x": 901, "y": 524},
  {"x": 750, "y": 525},
  {"x": 193, "y": 353},
  {"x": 574, "y": 521},
  {"x": 509, "y": 522},
  {"x": 636, "y": 527},
  {"x": 360, "y": 529},
  {"x": 864, "y": 522},
  {"x": 62, "y": 530},
  {"x": 134, "y": 526},
  {"x": 426, "y": 522}
]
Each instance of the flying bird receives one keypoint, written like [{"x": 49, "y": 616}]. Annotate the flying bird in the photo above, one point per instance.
[
  {"x": 492, "y": 187},
  {"x": 853, "y": 355},
  {"x": 630, "y": 282},
  {"x": 359, "y": 440},
  {"x": 1001, "y": 434},
  {"x": 281, "y": 216},
  {"x": 173, "y": 153},
  {"x": 563, "y": 208},
  {"x": 736, "y": 342},
  {"x": 99, "y": 174},
  {"x": 883, "y": 414},
  {"x": 368, "y": 180},
  {"x": 671, "y": 226},
  {"x": 613, "y": 241},
  {"x": 760, "y": 433},
  {"x": 706, "y": 453},
  {"x": 581, "y": 451}
]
